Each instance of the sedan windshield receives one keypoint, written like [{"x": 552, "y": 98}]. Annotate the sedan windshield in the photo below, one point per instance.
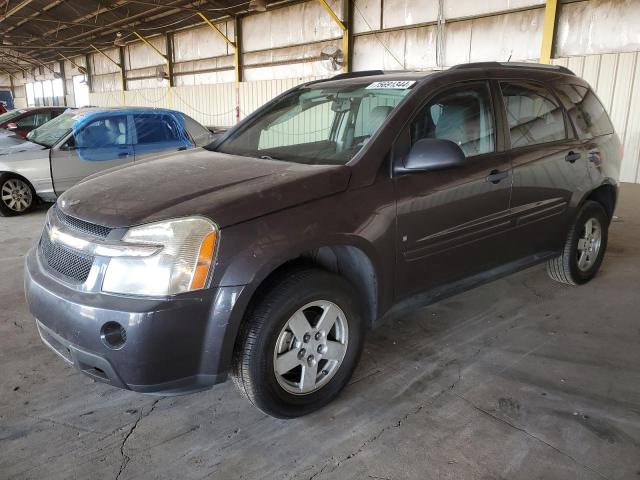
[
  {"x": 52, "y": 132},
  {"x": 5, "y": 117},
  {"x": 316, "y": 125}
]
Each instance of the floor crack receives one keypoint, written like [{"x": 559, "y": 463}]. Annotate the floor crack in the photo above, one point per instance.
[
  {"x": 526, "y": 432},
  {"x": 367, "y": 442},
  {"x": 532, "y": 290},
  {"x": 126, "y": 458}
]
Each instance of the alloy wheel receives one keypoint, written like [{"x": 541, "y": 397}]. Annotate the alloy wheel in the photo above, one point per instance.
[
  {"x": 16, "y": 195},
  {"x": 311, "y": 347},
  {"x": 589, "y": 244}
]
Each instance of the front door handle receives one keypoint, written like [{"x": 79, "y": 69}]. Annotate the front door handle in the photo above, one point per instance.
[
  {"x": 496, "y": 175},
  {"x": 573, "y": 156}
]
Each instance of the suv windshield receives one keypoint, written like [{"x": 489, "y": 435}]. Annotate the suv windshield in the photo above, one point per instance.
[
  {"x": 316, "y": 125},
  {"x": 51, "y": 132}
]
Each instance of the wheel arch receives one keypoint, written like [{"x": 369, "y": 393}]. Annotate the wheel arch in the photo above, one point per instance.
[
  {"x": 606, "y": 195},
  {"x": 11, "y": 173},
  {"x": 349, "y": 261}
]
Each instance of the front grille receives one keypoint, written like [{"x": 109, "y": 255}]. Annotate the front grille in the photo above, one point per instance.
[
  {"x": 82, "y": 226},
  {"x": 72, "y": 265}
]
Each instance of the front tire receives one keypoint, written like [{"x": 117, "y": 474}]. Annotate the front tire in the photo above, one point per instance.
[
  {"x": 16, "y": 195},
  {"x": 299, "y": 343},
  {"x": 584, "y": 248}
]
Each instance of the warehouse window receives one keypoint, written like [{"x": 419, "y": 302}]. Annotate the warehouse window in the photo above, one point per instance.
[
  {"x": 533, "y": 115},
  {"x": 461, "y": 115}
]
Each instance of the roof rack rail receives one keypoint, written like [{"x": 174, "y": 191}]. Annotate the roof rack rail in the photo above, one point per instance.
[
  {"x": 362, "y": 73},
  {"x": 541, "y": 66}
]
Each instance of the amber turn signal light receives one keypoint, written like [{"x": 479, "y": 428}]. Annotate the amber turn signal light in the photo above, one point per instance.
[{"x": 205, "y": 258}]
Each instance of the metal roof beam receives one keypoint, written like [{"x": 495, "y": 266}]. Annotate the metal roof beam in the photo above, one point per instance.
[
  {"x": 149, "y": 44},
  {"x": 14, "y": 9}
]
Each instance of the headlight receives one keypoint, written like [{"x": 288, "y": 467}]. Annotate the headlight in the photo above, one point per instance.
[{"x": 181, "y": 265}]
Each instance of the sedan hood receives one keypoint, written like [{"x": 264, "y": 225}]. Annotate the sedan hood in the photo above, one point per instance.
[
  {"x": 226, "y": 188},
  {"x": 11, "y": 145}
]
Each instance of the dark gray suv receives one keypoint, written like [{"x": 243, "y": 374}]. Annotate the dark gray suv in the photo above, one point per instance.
[{"x": 268, "y": 254}]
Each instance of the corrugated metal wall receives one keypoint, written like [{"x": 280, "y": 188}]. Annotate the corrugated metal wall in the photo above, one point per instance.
[
  {"x": 616, "y": 79},
  {"x": 211, "y": 105}
]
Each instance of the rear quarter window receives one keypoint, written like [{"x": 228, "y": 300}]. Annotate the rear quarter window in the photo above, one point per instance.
[{"x": 588, "y": 114}]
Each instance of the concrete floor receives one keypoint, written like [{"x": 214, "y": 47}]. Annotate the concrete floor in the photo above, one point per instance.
[{"x": 521, "y": 378}]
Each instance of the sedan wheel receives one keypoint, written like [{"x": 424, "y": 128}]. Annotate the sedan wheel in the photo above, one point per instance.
[{"x": 16, "y": 195}]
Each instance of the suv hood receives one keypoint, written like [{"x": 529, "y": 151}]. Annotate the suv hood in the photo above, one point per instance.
[{"x": 226, "y": 188}]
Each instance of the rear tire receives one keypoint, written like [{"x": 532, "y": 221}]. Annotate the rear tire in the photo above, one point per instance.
[
  {"x": 299, "y": 343},
  {"x": 584, "y": 248},
  {"x": 16, "y": 195}
]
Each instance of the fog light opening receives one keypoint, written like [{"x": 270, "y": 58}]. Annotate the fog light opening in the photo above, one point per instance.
[{"x": 113, "y": 335}]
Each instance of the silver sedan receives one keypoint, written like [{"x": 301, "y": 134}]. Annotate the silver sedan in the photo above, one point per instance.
[{"x": 83, "y": 142}]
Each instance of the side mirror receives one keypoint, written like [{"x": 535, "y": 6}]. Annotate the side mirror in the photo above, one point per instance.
[{"x": 429, "y": 154}]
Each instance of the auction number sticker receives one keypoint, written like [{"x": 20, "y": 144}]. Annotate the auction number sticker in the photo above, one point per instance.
[{"x": 393, "y": 84}]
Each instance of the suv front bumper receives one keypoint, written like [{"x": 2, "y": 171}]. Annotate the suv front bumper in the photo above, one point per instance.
[{"x": 173, "y": 345}]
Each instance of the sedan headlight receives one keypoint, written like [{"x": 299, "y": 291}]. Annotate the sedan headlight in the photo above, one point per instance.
[{"x": 186, "y": 254}]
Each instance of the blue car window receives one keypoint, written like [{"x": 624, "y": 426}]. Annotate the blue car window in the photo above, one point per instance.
[
  {"x": 157, "y": 132},
  {"x": 101, "y": 139},
  {"x": 104, "y": 132}
]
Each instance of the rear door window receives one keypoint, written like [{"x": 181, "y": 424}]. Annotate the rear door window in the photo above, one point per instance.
[
  {"x": 157, "y": 129},
  {"x": 158, "y": 132},
  {"x": 589, "y": 116},
  {"x": 534, "y": 115}
]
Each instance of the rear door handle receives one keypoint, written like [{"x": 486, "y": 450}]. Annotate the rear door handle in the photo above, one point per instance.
[
  {"x": 496, "y": 175},
  {"x": 573, "y": 156},
  {"x": 123, "y": 154}
]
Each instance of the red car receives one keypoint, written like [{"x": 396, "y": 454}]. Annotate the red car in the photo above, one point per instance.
[{"x": 22, "y": 120}]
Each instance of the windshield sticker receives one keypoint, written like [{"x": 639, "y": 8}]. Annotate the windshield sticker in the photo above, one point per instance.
[{"x": 393, "y": 84}]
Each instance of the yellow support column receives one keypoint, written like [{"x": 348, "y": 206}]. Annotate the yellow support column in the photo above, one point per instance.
[{"x": 548, "y": 33}]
